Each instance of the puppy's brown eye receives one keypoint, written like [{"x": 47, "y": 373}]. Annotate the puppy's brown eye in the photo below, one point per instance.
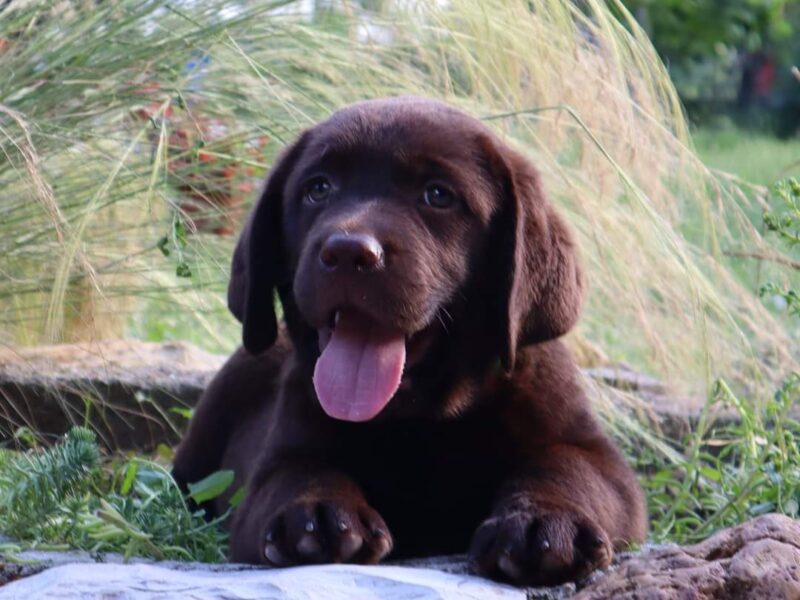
[
  {"x": 317, "y": 190},
  {"x": 438, "y": 196}
]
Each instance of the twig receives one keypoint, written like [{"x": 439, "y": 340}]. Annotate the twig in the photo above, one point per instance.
[{"x": 777, "y": 258}]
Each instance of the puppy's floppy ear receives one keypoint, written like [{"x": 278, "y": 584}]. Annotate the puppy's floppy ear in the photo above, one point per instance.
[
  {"x": 258, "y": 260},
  {"x": 539, "y": 285}
]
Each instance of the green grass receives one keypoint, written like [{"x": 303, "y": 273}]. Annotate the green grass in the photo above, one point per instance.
[
  {"x": 743, "y": 457},
  {"x": 756, "y": 160},
  {"x": 71, "y": 496},
  {"x": 753, "y": 156},
  {"x": 738, "y": 463}
]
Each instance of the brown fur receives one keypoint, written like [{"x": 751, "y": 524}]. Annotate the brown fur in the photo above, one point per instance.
[{"x": 489, "y": 444}]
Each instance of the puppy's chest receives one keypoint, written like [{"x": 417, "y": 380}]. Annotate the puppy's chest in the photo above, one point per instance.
[
  {"x": 425, "y": 477},
  {"x": 417, "y": 448}
]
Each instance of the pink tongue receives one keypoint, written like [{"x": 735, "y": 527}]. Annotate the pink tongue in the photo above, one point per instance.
[{"x": 359, "y": 369}]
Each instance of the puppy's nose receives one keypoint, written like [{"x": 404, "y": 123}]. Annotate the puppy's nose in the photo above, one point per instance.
[{"x": 358, "y": 251}]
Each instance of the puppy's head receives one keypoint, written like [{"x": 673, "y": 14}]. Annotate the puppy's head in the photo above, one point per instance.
[{"x": 401, "y": 233}]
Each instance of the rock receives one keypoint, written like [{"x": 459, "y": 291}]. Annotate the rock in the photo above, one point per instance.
[
  {"x": 624, "y": 378},
  {"x": 757, "y": 560},
  {"x": 10, "y": 571},
  {"x": 438, "y": 577},
  {"x": 126, "y": 389},
  {"x": 327, "y": 582},
  {"x": 648, "y": 398}
]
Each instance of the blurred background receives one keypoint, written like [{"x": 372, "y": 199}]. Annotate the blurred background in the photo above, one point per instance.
[
  {"x": 134, "y": 135},
  {"x": 732, "y": 65}
]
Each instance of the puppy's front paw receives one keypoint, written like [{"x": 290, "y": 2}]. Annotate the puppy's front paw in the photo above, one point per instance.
[
  {"x": 534, "y": 545},
  {"x": 310, "y": 531}
]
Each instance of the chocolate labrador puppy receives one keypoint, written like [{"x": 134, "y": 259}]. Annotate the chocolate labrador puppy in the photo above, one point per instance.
[{"x": 417, "y": 400}]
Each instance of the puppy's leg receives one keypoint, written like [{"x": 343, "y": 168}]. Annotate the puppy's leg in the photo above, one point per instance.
[
  {"x": 243, "y": 387},
  {"x": 561, "y": 517},
  {"x": 300, "y": 513},
  {"x": 201, "y": 449}
]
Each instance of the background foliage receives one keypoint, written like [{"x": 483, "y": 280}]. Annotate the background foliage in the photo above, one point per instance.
[
  {"x": 95, "y": 195},
  {"x": 694, "y": 29},
  {"x": 708, "y": 45}
]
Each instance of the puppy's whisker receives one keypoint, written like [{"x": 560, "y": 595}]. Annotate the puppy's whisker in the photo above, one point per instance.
[
  {"x": 447, "y": 313},
  {"x": 441, "y": 320}
]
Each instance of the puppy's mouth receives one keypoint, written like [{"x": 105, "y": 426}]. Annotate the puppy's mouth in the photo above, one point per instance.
[{"x": 361, "y": 365}]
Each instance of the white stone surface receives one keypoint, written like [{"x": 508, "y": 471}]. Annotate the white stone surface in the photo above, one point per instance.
[{"x": 326, "y": 582}]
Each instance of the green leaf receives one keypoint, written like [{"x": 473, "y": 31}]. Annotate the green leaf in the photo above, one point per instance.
[
  {"x": 130, "y": 475},
  {"x": 165, "y": 452},
  {"x": 26, "y": 436},
  {"x": 712, "y": 474},
  {"x": 237, "y": 497},
  {"x": 163, "y": 245},
  {"x": 179, "y": 232},
  {"x": 791, "y": 507},
  {"x": 183, "y": 270},
  {"x": 210, "y": 487},
  {"x": 761, "y": 508},
  {"x": 186, "y": 413}
]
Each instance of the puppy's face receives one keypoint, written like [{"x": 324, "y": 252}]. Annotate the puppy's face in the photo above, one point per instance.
[
  {"x": 383, "y": 215},
  {"x": 385, "y": 229}
]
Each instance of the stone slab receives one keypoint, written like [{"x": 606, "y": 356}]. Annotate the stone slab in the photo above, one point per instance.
[
  {"x": 129, "y": 390},
  {"x": 326, "y": 582}
]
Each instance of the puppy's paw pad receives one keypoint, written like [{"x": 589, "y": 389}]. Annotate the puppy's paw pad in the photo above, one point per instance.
[
  {"x": 325, "y": 531},
  {"x": 539, "y": 547}
]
